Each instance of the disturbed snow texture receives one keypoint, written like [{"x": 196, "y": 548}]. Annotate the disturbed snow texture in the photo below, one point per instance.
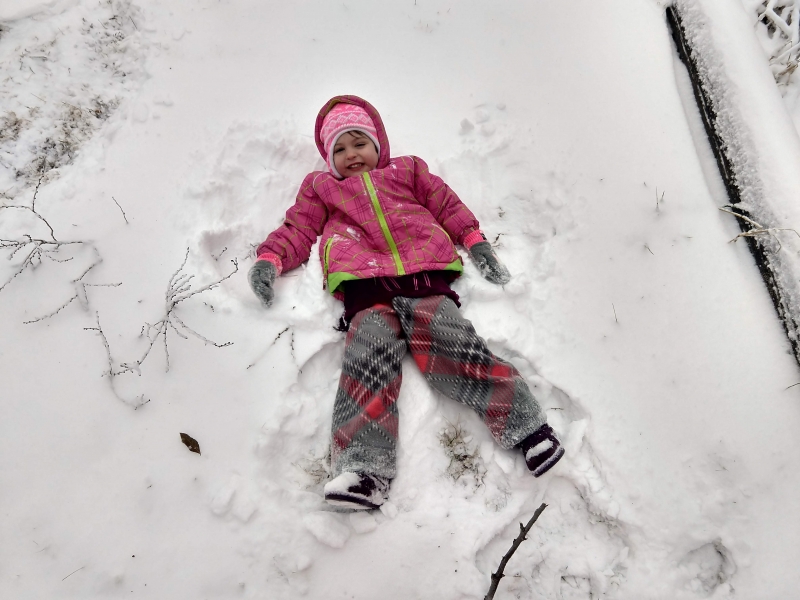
[
  {"x": 648, "y": 338},
  {"x": 63, "y": 78}
]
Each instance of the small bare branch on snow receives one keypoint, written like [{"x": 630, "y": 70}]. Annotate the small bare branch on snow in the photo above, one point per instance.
[{"x": 759, "y": 229}]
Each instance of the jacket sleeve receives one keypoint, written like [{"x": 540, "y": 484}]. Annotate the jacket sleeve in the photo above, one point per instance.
[
  {"x": 304, "y": 222},
  {"x": 443, "y": 203}
]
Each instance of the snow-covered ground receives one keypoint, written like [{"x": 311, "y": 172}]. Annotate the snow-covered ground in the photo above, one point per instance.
[{"x": 143, "y": 129}]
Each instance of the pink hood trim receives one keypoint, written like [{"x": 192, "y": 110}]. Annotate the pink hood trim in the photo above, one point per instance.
[{"x": 383, "y": 140}]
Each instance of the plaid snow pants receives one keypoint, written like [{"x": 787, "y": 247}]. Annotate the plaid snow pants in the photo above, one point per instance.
[{"x": 453, "y": 359}]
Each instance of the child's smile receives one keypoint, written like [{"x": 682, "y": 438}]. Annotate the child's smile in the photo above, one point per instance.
[{"x": 354, "y": 153}]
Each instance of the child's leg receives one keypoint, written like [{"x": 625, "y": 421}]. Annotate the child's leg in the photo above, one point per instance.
[
  {"x": 364, "y": 412},
  {"x": 458, "y": 363}
]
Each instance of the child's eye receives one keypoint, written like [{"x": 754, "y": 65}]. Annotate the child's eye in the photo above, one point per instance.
[{"x": 337, "y": 150}]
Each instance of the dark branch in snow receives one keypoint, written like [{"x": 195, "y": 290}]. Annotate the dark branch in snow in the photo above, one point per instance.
[
  {"x": 110, "y": 373},
  {"x": 659, "y": 199},
  {"x": 523, "y": 531},
  {"x": 178, "y": 290},
  {"x": 38, "y": 216},
  {"x": 120, "y": 209},
  {"x": 758, "y": 229},
  {"x": 36, "y": 193},
  {"x": 55, "y": 312},
  {"x": 277, "y": 337},
  {"x": 37, "y": 249},
  {"x": 73, "y": 573},
  {"x": 89, "y": 268}
]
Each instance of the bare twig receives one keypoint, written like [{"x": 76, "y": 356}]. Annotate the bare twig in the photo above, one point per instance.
[
  {"x": 89, "y": 268},
  {"x": 102, "y": 335},
  {"x": 38, "y": 249},
  {"x": 122, "y": 211},
  {"x": 59, "y": 260},
  {"x": 38, "y": 216},
  {"x": 178, "y": 290},
  {"x": 110, "y": 373},
  {"x": 73, "y": 573},
  {"x": 523, "y": 531},
  {"x": 759, "y": 229},
  {"x": 36, "y": 193},
  {"x": 55, "y": 312},
  {"x": 277, "y": 337}
]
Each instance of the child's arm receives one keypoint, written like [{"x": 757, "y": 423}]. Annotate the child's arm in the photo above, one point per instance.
[
  {"x": 290, "y": 244},
  {"x": 458, "y": 221},
  {"x": 443, "y": 203}
]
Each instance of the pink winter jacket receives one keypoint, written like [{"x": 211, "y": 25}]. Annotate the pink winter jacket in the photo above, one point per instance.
[{"x": 395, "y": 220}]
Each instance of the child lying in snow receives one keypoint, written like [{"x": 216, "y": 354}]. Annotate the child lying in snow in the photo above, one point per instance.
[{"x": 388, "y": 229}]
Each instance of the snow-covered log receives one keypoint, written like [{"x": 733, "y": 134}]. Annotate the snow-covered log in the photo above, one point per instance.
[{"x": 755, "y": 144}]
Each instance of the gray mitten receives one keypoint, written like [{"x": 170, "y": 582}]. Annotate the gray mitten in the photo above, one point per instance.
[
  {"x": 490, "y": 267},
  {"x": 261, "y": 277}
]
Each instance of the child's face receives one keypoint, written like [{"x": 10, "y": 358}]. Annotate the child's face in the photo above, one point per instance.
[{"x": 354, "y": 153}]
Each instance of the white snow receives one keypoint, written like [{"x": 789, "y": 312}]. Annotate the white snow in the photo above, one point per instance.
[
  {"x": 362, "y": 522},
  {"x": 328, "y": 528},
  {"x": 569, "y": 131}
]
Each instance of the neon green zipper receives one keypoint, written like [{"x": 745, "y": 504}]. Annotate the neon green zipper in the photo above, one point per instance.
[
  {"x": 384, "y": 226},
  {"x": 327, "y": 255}
]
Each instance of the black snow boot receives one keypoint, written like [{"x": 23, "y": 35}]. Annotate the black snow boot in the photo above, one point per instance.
[
  {"x": 542, "y": 450},
  {"x": 358, "y": 491}
]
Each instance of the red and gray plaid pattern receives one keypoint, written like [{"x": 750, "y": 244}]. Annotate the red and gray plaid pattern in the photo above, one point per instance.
[{"x": 453, "y": 359}]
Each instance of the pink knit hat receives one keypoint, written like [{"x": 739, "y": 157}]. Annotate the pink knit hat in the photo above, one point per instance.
[{"x": 343, "y": 118}]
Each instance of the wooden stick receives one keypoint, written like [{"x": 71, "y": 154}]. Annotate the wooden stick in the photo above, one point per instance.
[{"x": 523, "y": 531}]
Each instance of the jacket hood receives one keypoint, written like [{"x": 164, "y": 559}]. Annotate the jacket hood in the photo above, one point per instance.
[{"x": 383, "y": 140}]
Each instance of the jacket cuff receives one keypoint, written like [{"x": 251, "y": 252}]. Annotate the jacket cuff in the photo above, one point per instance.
[
  {"x": 273, "y": 258},
  {"x": 473, "y": 238}
]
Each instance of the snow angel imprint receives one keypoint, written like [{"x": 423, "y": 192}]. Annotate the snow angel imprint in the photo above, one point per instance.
[{"x": 389, "y": 229}]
